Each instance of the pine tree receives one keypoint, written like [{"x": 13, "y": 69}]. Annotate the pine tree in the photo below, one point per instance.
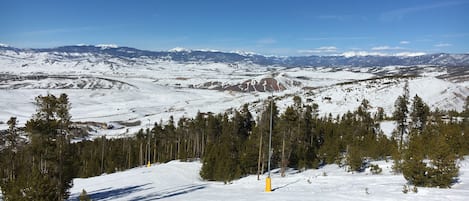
[
  {"x": 443, "y": 169},
  {"x": 429, "y": 160},
  {"x": 413, "y": 166},
  {"x": 400, "y": 115},
  {"x": 288, "y": 135},
  {"x": 419, "y": 113},
  {"x": 355, "y": 158},
  {"x": 50, "y": 145}
]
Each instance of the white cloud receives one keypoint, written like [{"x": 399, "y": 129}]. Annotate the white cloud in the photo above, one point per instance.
[
  {"x": 337, "y": 38},
  {"x": 443, "y": 45},
  {"x": 179, "y": 49},
  {"x": 4, "y": 45},
  {"x": 319, "y": 50},
  {"x": 327, "y": 49},
  {"x": 266, "y": 41},
  {"x": 381, "y": 48},
  {"x": 107, "y": 46},
  {"x": 362, "y": 54},
  {"x": 409, "y": 54},
  {"x": 366, "y": 53},
  {"x": 399, "y": 14},
  {"x": 404, "y": 42}
]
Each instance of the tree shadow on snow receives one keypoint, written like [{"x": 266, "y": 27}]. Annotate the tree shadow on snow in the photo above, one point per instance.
[
  {"x": 170, "y": 192},
  {"x": 280, "y": 187},
  {"x": 114, "y": 193}
]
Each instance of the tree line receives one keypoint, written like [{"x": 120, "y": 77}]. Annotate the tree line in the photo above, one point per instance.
[{"x": 425, "y": 145}]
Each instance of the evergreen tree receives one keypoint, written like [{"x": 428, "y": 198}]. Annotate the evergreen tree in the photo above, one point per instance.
[
  {"x": 400, "y": 115},
  {"x": 443, "y": 169},
  {"x": 419, "y": 113},
  {"x": 355, "y": 158},
  {"x": 287, "y": 135},
  {"x": 50, "y": 145},
  {"x": 413, "y": 166},
  {"x": 429, "y": 160}
]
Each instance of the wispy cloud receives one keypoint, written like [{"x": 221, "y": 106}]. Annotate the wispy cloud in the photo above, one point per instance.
[
  {"x": 366, "y": 53},
  {"x": 337, "y": 38},
  {"x": 320, "y": 50},
  {"x": 266, "y": 41},
  {"x": 443, "y": 45},
  {"x": 404, "y": 42},
  {"x": 386, "y": 48},
  {"x": 399, "y": 14},
  {"x": 455, "y": 35}
]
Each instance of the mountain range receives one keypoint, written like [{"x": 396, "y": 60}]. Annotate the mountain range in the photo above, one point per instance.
[
  {"x": 184, "y": 55},
  {"x": 122, "y": 86}
]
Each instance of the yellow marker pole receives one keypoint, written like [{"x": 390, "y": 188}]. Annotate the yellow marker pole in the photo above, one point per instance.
[
  {"x": 268, "y": 185},
  {"x": 148, "y": 164}
]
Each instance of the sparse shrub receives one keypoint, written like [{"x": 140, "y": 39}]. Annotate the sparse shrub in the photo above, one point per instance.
[
  {"x": 405, "y": 189},
  {"x": 84, "y": 196},
  {"x": 375, "y": 169},
  {"x": 415, "y": 189}
]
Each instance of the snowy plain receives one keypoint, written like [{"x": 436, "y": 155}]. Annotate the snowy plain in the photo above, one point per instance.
[
  {"x": 109, "y": 89},
  {"x": 177, "y": 180}
]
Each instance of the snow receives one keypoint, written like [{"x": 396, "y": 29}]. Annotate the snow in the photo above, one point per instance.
[
  {"x": 107, "y": 89},
  {"x": 181, "y": 181},
  {"x": 244, "y": 53},
  {"x": 110, "y": 90},
  {"x": 107, "y": 46},
  {"x": 388, "y": 127},
  {"x": 179, "y": 49}
]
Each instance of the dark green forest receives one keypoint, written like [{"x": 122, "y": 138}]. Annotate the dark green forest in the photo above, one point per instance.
[{"x": 425, "y": 146}]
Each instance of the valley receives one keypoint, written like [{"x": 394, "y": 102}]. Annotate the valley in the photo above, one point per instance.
[{"x": 109, "y": 88}]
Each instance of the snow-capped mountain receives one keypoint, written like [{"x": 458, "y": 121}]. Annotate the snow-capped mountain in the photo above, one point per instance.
[
  {"x": 186, "y": 55},
  {"x": 117, "y": 85}
]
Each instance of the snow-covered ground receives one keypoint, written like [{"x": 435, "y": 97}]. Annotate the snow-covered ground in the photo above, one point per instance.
[
  {"x": 388, "y": 127},
  {"x": 108, "y": 89},
  {"x": 181, "y": 181}
]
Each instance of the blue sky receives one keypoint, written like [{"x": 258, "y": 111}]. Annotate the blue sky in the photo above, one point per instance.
[{"x": 290, "y": 27}]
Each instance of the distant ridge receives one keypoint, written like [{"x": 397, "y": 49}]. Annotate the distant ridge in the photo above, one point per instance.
[{"x": 185, "y": 55}]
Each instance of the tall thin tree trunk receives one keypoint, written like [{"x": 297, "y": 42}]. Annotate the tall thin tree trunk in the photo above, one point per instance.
[
  {"x": 128, "y": 156},
  {"x": 102, "y": 154},
  {"x": 260, "y": 157},
  {"x": 283, "y": 156},
  {"x": 141, "y": 154},
  {"x": 202, "y": 144}
]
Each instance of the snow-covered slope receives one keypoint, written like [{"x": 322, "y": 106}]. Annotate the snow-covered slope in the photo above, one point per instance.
[
  {"x": 109, "y": 84},
  {"x": 180, "y": 181}
]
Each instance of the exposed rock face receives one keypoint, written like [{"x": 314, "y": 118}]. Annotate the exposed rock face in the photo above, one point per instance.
[{"x": 263, "y": 85}]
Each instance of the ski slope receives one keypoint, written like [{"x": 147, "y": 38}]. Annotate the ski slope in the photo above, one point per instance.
[{"x": 181, "y": 181}]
